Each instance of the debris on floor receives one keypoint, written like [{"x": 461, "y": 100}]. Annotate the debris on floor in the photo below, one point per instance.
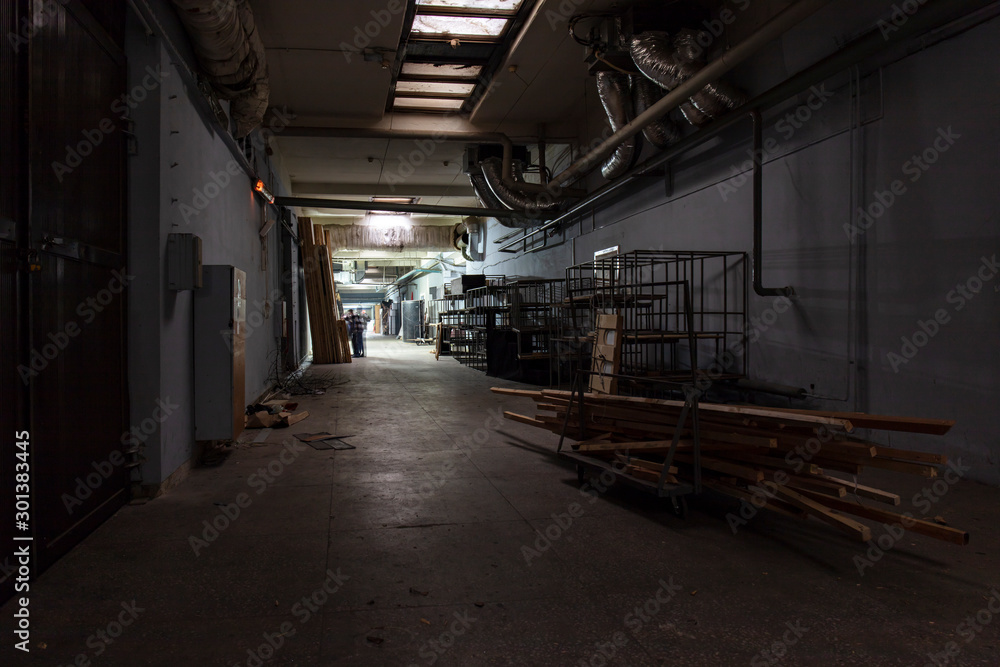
[
  {"x": 267, "y": 419},
  {"x": 325, "y": 440}
]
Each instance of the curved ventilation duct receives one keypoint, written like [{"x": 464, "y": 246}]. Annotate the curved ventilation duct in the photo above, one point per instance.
[
  {"x": 530, "y": 205},
  {"x": 231, "y": 53},
  {"x": 663, "y": 132},
  {"x": 616, "y": 98},
  {"x": 669, "y": 62}
]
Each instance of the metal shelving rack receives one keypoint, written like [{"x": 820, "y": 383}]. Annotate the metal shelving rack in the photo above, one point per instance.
[
  {"x": 662, "y": 338},
  {"x": 536, "y": 305}
]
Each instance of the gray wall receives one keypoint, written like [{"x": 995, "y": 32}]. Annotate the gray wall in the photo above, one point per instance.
[
  {"x": 179, "y": 151},
  {"x": 857, "y": 294}
]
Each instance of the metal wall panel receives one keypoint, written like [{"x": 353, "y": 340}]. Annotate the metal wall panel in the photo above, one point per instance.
[{"x": 78, "y": 402}]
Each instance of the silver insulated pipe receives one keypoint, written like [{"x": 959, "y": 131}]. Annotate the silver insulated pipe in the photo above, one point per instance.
[
  {"x": 616, "y": 98},
  {"x": 230, "y": 51},
  {"x": 534, "y": 207},
  {"x": 663, "y": 132},
  {"x": 669, "y": 62}
]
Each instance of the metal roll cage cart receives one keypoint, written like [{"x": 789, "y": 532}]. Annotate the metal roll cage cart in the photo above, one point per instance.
[{"x": 676, "y": 491}]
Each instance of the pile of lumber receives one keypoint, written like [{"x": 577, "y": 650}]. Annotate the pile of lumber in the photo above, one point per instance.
[
  {"x": 780, "y": 459},
  {"x": 330, "y": 340}
]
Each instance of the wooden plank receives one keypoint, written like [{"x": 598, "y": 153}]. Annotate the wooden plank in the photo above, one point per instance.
[
  {"x": 657, "y": 446},
  {"x": 772, "y": 504},
  {"x": 862, "y": 490},
  {"x": 719, "y": 409},
  {"x": 504, "y": 391},
  {"x": 822, "y": 512},
  {"x": 914, "y": 525},
  {"x": 818, "y": 485},
  {"x": 883, "y": 422},
  {"x": 725, "y": 467},
  {"x": 523, "y": 419},
  {"x": 909, "y": 455}
]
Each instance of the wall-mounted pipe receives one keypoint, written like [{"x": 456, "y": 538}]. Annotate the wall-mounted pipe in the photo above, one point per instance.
[
  {"x": 774, "y": 28},
  {"x": 933, "y": 15},
  {"x": 342, "y": 204},
  {"x": 758, "y": 212}
]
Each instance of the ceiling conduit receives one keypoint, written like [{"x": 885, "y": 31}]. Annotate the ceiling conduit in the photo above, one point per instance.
[
  {"x": 616, "y": 97},
  {"x": 531, "y": 206},
  {"x": 663, "y": 132},
  {"x": 231, "y": 53}
]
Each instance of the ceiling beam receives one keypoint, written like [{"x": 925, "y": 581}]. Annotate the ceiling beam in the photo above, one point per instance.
[
  {"x": 343, "y": 204},
  {"x": 300, "y": 188}
]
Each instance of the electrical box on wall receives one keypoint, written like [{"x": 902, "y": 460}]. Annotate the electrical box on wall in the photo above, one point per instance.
[{"x": 183, "y": 262}]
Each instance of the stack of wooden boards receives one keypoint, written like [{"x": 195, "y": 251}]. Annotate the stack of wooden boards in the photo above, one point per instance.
[
  {"x": 771, "y": 457},
  {"x": 330, "y": 340}
]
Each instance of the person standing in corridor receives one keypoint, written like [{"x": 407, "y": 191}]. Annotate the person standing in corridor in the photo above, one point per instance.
[{"x": 356, "y": 325}]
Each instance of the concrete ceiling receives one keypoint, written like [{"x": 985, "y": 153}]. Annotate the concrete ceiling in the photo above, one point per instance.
[{"x": 318, "y": 74}]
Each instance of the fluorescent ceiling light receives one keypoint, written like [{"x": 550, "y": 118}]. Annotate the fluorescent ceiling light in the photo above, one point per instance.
[
  {"x": 432, "y": 103},
  {"x": 394, "y": 200},
  {"x": 434, "y": 87},
  {"x": 458, "y": 26},
  {"x": 474, "y": 5},
  {"x": 441, "y": 71}
]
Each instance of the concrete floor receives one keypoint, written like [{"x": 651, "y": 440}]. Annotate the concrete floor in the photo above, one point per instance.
[{"x": 428, "y": 534}]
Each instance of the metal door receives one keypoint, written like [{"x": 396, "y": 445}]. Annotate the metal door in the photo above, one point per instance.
[{"x": 69, "y": 313}]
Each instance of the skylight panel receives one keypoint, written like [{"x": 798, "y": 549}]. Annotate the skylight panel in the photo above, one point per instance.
[
  {"x": 430, "y": 70},
  {"x": 434, "y": 88},
  {"x": 428, "y": 103},
  {"x": 506, "y": 6},
  {"x": 458, "y": 26}
]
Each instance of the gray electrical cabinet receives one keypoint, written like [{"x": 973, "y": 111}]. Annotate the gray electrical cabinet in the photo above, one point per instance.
[{"x": 220, "y": 308}]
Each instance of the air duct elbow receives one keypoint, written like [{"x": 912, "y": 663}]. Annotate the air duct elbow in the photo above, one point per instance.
[
  {"x": 663, "y": 132},
  {"x": 535, "y": 208},
  {"x": 616, "y": 98},
  {"x": 669, "y": 62}
]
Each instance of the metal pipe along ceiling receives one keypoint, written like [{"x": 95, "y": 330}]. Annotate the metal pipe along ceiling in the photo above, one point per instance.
[{"x": 348, "y": 205}]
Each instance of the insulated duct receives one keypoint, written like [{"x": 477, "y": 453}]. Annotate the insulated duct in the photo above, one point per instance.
[
  {"x": 361, "y": 237},
  {"x": 616, "y": 98},
  {"x": 663, "y": 132},
  {"x": 670, "y": 62},
  {"x": 231, "y": 53},
  {"x": 530, "y": 205}
]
